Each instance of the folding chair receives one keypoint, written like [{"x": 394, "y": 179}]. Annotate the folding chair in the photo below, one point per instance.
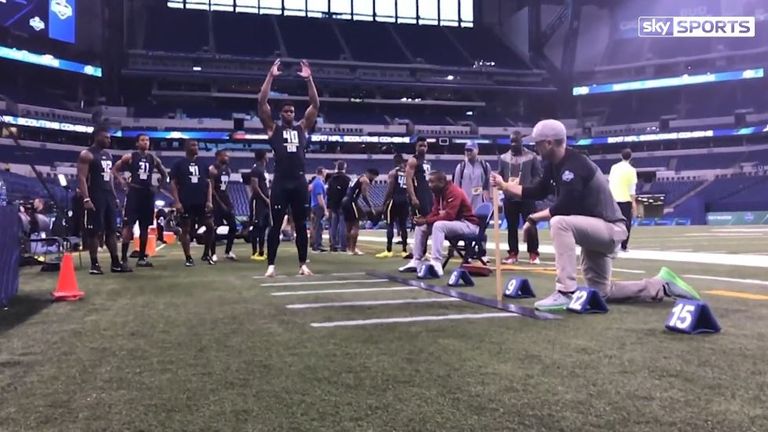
[{"x": 472, "y": 245}]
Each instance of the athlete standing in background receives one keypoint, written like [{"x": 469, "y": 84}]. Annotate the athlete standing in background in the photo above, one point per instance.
[
  {"x": 223, "y": 211},
  {"x": 94, "y": 174},
  {"x": 260, "y": 209},
  {"x": 396, "y": 207},
  {"x": 191, "y": 190},
  {"x": 140, "y": 199},
  {"x": 419, "y": 194}
]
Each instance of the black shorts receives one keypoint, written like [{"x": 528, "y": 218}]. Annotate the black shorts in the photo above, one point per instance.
[
  {"x": 195, "y": 213},
  {"x": 139, "y": 207},
  {"x": 352, "y": 211},
  {"x": 425, "y": 205},
  {"x": 396, "y": 210},
  {"x": 221, "y": 214},
  {"x": 103, "y": 219},
  {"x": 290, "y": 197},
  {"x": 259, "y": 211}
]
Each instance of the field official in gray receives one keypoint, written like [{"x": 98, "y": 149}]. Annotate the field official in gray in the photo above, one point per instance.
[{"x": 584, "y": 214}]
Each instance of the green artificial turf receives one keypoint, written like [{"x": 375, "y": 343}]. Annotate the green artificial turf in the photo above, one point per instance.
[{"x": 210, "y": 349}]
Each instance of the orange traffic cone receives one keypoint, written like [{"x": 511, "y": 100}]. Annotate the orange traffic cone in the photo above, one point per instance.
[
  {"x": 169, "y": 237},
  {"x": 66, "y": 288},
  {"x": 151, "y": 245}
]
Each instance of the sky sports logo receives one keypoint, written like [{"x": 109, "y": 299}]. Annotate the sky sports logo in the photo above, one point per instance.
[{"x": 685, "y": 26}]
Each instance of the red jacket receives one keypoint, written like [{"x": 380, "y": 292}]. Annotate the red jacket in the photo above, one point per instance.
[{"x": 452, "y": 205}]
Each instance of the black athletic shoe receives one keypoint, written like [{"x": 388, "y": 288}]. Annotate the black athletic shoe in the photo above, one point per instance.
[
  {"x": 189, "y": 262},
  {"x": 96, "y": 269},
  {"x": 120, "y": 268},
  {"x": 408, "y": 256},
  {"x": 208, "y": 259},
  {"x": 143, "y": 262}
]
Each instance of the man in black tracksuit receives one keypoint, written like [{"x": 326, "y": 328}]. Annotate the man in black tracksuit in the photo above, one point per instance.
[{"x": 338, "y": 183}]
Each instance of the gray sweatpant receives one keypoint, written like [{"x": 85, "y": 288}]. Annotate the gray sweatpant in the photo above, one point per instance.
[
  {"x": 440, "y": 230},
  {"x": 598, "y": 240}
]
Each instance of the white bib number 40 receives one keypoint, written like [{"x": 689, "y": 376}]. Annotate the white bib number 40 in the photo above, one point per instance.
[{"x": 291, "y": 138}]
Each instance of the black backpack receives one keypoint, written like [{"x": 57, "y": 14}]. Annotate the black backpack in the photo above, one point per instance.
[
  {"x": 486, "y": 171},
  {"x": 337, "y": 189}
]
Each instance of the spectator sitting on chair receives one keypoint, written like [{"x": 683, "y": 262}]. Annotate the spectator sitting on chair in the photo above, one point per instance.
[{"x": 451, "y": 215}]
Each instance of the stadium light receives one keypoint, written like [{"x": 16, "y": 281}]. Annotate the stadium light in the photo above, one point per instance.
[
  {"x": 197, "y": 68},
  {"x": 450, "y": 77},
  {"x": 159, "y": 203}
]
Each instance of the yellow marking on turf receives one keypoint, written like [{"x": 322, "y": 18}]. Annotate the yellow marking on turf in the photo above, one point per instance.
[
  {"x": 737, "y": 294},
  {"x": 520, "y": 267}
]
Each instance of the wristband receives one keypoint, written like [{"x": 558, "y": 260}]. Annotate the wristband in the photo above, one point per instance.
[
  {"x": 531, "y": 221},
  {"x": 85, "y": 200}
]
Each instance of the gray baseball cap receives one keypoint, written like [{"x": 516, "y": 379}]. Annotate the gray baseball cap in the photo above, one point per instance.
[{"x": 548, "y": 130}]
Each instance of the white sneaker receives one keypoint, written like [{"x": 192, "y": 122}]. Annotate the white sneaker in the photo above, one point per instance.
[
  {"x": 270, "y": 272},
  {"x": 556, "y": 301},
  {"x": 214, "y": 258},
  {"x": 305, "y": 271},
  {"x": 438, "y": 266},
  {"x": 412, "y": 267},
  {"x": 358, "y": 252},
  {"x": 231, "y": 256}
]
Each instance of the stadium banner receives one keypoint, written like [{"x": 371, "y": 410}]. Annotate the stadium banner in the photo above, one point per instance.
[
  {"x": 738, "y": 218},
  {"x": 50, "y": 61},
  {"x": 46, "y": 124},
  {"x": 666, "y": 136},
  {"x": 677, "y": 81}
]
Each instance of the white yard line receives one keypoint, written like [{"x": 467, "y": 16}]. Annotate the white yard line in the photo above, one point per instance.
[
  {"x": 725, "y": 279},
  {"x": 370, "y": 303},
  {"x": 159, "y": 247},
  {"x": 413, "y": 319},
  {"x": 345, "y": 274},
  {"x": 679, "y": 250},
  {"x": 339, "y": 291},
  {"x": 645, "y": 255},
  {"x": 330, "y": 282}
]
